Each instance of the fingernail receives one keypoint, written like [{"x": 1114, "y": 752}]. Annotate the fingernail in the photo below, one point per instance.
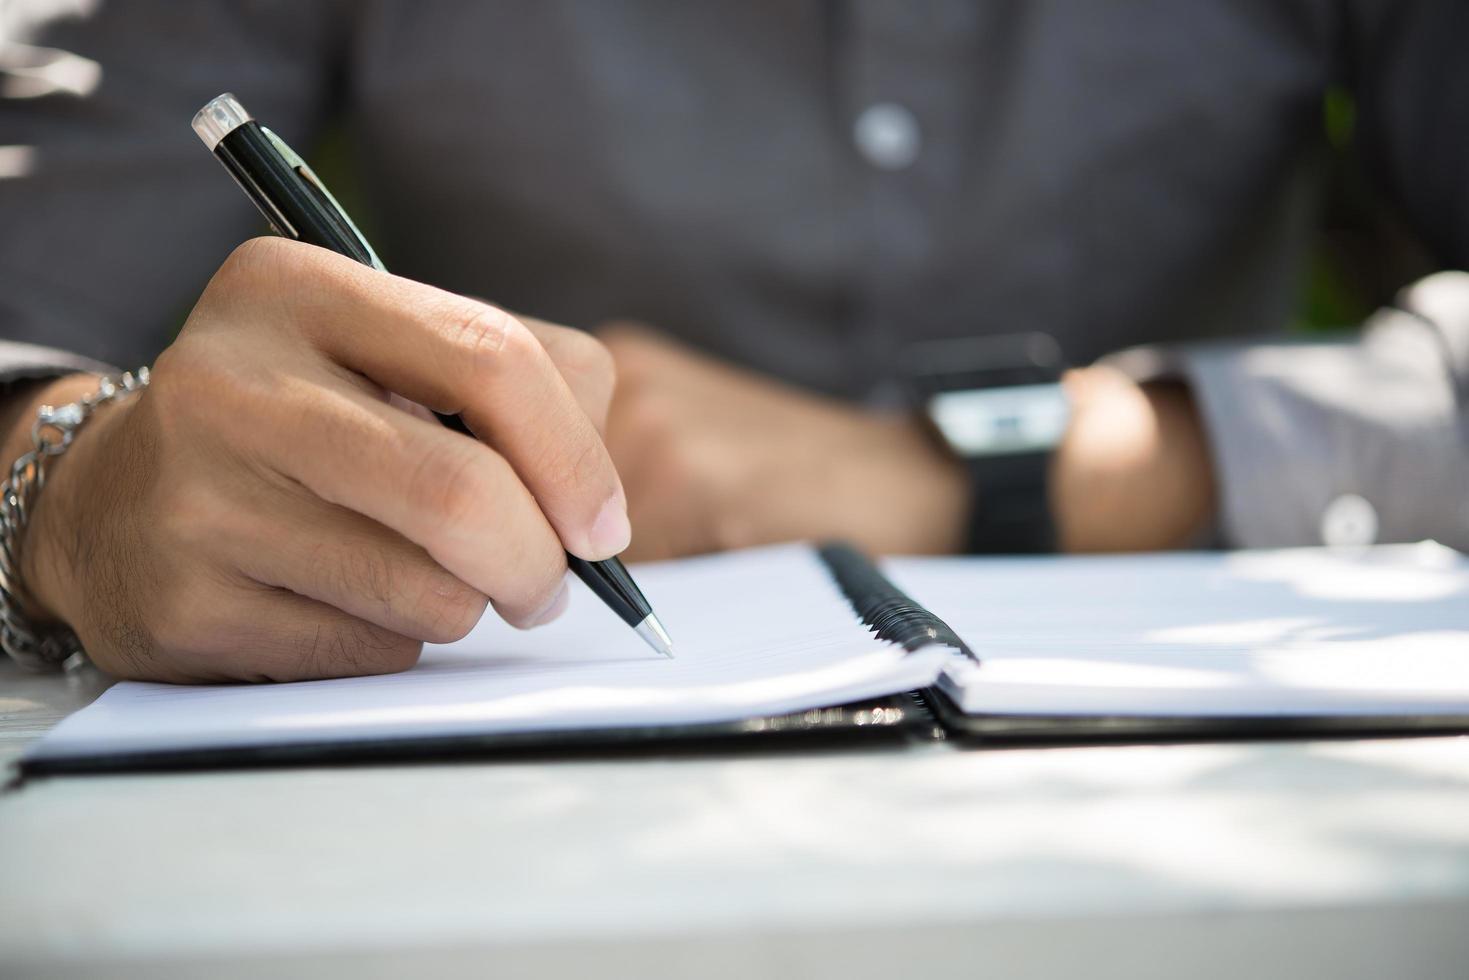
[
  {"x": 611, "y": 533},
  {"x": 554, "y": 609}
]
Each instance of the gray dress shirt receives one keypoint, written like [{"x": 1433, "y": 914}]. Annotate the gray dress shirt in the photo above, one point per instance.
[{"x": 804, "y": 188}]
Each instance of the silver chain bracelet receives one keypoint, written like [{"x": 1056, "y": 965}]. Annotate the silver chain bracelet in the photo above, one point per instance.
[{"x": 51, "y": 435}]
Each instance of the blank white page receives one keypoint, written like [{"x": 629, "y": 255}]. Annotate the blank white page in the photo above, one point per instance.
[
  {"x": 1377, "y": 631},
  {"x": 758, "y": 632}
]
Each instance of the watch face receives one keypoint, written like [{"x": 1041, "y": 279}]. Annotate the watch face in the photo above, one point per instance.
[{"x": 997, "y": 421}]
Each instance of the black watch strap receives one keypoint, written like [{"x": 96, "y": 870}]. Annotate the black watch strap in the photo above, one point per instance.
[
  {"x": 996, "y": 402},
  {"x": 1010, "y": 508}
]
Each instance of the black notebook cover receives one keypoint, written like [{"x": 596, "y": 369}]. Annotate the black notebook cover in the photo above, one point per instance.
[{"x": 890, "y": 721}]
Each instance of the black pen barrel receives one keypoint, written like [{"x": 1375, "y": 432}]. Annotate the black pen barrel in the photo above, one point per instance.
[
  {"x": 611, "y": 582},
  {"x": 292, "y": 203}
]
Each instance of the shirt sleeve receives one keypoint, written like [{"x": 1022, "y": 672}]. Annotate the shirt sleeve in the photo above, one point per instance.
[
  {"x": 1354, "y": 439},
  {"x": 112, "y": 214}
]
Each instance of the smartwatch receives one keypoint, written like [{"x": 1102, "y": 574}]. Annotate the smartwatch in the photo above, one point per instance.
[{"x": 998, "y": 406}]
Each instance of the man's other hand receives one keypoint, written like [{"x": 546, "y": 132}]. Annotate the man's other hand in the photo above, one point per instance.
[
  {"x": 715, "y": 457},
  {"x": 274, "y": 507}
]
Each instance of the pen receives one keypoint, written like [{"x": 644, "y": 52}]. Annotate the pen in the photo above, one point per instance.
[{"x": 298, "y": 206}]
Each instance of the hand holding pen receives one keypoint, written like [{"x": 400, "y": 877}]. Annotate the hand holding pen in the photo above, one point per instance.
[
  {"x": 263, "y": 512},
  {"x": 299, "y": 207}
]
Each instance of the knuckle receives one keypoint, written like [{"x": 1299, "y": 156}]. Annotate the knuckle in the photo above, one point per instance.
[
  {"x": 480, "y": 336},
  {"x": 251, "y": 258},
  {"x": 517, "y": 344},
  {"x": 449, "y": 485}
]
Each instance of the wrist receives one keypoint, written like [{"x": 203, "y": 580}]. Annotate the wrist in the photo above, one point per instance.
[
  {"x": 938, "y": 497},
  {"x": 1133, "y": 472},
  {"x": 18, "y": 412},
  {"x": 41, "y": 560}
]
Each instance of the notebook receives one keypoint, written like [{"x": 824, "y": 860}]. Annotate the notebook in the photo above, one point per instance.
[{"x": 796, "y": 639}]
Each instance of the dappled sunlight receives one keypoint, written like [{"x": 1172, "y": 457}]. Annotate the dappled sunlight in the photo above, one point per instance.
[
  {"x": 1430, "y": 759},
  {"x": 12, "y": 705},
  {"x": 1232, "y": 633},
  {"x": 1418, "y": 573},
  {"x": 1222, "y": 823},
  {"x": 1428, "y": 662}
]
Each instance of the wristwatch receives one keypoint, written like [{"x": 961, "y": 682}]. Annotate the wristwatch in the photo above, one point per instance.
[{"x": 997, "y": 404}]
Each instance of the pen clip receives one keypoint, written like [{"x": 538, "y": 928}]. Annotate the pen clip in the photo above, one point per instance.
[{"x": 293, "y": 159}]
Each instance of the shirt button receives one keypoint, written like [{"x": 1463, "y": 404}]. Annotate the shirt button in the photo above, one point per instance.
[
  {"x": 1349, "y": 520},
  {"x": 887, "y": 136}
]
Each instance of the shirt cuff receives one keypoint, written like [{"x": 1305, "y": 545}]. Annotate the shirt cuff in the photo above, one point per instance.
[
  {"x": 25, "y": 362},
  {"x": 1349, "y": 439}
]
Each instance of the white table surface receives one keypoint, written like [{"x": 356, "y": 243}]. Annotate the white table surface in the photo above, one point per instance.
[{"x": 1339, "y": 859}]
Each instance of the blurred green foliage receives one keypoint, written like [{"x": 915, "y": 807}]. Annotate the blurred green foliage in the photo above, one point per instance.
[
  {"x": 1340, "y": 116},
  {"x": 1363, "y": 251},
  {"x": 1328, "y": 299}
]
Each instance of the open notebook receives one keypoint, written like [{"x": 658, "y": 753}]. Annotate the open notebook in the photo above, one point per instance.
[{"x": 1204, "y": 644}]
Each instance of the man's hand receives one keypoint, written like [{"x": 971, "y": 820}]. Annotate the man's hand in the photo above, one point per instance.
[
  {"x": 272, "y": 507},
  {"x": 714, "y": 457}
]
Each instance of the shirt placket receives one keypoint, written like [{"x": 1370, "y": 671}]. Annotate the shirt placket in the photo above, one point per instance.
[{"x": 905, "y": 98}]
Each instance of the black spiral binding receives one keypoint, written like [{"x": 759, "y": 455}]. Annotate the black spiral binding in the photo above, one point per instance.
[{"x": 885, "y": 608}]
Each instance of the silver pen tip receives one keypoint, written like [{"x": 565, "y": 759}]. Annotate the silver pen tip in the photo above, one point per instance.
[{"x": 655, "y": 635}]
